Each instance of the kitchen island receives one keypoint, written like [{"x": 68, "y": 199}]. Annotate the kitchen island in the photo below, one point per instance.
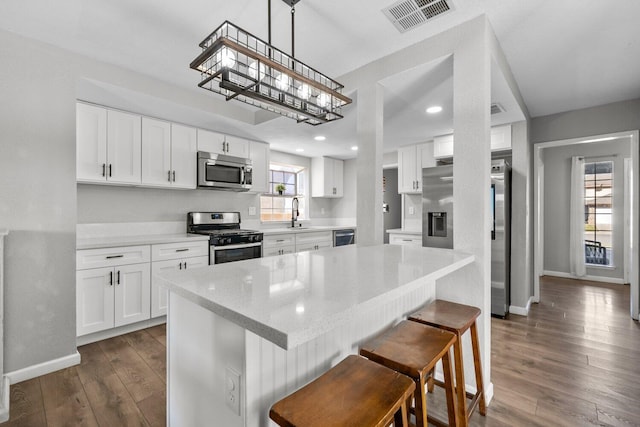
[{"x": 242, "y": 335}]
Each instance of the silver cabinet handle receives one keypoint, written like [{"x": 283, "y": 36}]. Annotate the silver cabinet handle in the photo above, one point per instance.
[{"x": 180, "y": 266}]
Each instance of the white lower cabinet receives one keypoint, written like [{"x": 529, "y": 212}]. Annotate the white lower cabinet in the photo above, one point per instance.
[
  {"x": 405, "y": 239},
  {"x": 109, "y": 297},
  {"x": 278, "y": 244},
  {"x": 159, "y": 294},
  {"x": 314, "y": 241}
]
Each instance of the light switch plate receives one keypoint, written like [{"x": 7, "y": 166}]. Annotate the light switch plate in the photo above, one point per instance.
[
  {"x": 412, "y": 210},
  {"x": 232, "y": 390},
  {"x": 252, "y": 210}
]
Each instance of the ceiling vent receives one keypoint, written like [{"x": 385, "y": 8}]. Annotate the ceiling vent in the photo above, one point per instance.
[
  {"x": 408, "y": 14},
  {"x": 496, "y": 108}
]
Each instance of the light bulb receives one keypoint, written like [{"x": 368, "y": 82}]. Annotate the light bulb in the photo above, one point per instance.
[
  {"x": 304, "y": 92},
  {"x": 226, "y": 58},
  {"x": 283, "y": 82},
  {"x": 324, "y": 100},
  {"x": 253, "y": 70}
]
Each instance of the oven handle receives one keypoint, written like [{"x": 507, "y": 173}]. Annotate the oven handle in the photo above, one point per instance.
[{"x": 238, "y": 246}]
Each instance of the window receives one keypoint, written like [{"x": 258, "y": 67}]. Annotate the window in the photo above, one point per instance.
[
  {"x": 276, "y": 205},
  {"x": 598, "y": 212}
]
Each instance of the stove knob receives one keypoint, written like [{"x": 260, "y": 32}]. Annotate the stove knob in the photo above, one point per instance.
[
  {"x": 252, "y": 238},
  {"x": 228, "y": 240}
]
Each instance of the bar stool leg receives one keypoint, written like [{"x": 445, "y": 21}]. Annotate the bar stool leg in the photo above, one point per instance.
[
  {"x": 451, "y": 401},
  {"x": 460, "y": 384},
  {"x": 401, "y": 417},
  {"x": 478, "y": 368},
  {"x": 420, "y": 404}
]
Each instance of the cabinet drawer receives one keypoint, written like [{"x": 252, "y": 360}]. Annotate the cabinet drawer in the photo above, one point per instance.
[
  {"x": 167, "y": 251},
  {"x": 315, "y": 237},
  {"x": 278, "y": 250},
  {"x": 278, "y": 240},
  {"x": 404, "y": 239},
  {"x": 109, "y": 257}
]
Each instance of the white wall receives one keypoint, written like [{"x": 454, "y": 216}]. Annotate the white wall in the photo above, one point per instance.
[{"x": 37, "y": 201}]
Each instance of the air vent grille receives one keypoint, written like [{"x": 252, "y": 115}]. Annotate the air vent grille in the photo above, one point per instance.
[
  {"x": 496, "y": 108},
  {"x": 408, "y": 14}
]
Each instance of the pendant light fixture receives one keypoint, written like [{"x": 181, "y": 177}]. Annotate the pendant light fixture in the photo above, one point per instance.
[{"x": 239, "y": 65}]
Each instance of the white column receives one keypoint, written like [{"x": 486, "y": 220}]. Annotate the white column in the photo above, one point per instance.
[{"x": 369, "y": 165}]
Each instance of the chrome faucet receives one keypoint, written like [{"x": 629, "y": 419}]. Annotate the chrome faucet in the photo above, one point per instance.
[{"x": 294, "y": 211}]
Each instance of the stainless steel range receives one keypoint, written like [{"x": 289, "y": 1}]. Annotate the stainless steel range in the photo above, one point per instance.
[{"x": 228, "y": 242}]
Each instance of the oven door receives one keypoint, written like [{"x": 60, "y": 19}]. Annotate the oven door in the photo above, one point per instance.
[{"x": 222, "y": 254}]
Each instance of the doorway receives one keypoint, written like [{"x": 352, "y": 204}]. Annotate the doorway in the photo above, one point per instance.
[{"x": 551, "y": 169}]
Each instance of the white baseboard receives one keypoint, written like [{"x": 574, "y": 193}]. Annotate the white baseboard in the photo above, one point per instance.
[
  {"x": 114, "y": 332},
  {"x": 43, "y": 368},
  {"x": 4, "y": 399},
  {"x": 521, "y": 311},
  {"x": 564, "y": 275}
]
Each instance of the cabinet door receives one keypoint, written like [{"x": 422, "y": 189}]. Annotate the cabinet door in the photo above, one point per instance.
[
  {"x": 184, "y": 146},
  {"x": 94, "y": 300},
  {"x": 407, "y": 170},
  {"x": 443, "y": 146},
  {"x": 159, "y": 294},
  {"x": 124, "y": 147},
  {"x": 236, "y": 146},
  {"x": 501, "y": 138},
  {"x": 156, "y": 152},
  {"x": 424, "y": 159},
  {"x": 280, "y": 250},
  {"x": 132, "y": 294},
  {"x": 211, "y": 142},
  {"x": 91, "y": 143},
  {"x": 259, "y": 155},
  {"x": 337, "y": 188}
]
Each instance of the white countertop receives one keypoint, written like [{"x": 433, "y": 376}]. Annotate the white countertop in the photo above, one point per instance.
[
  {"x": 291, "y": 299},
  {"x": 407, "y": 232},
  {"x": 304, "y": 229},
  {"x": 148, "y": 239}
]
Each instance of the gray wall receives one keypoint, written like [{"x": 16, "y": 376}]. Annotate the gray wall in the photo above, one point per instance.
[
  {"x": 345, "y": 207},
  {"x": 557, "y": 185},
  {"x": 37, "y": 201}
]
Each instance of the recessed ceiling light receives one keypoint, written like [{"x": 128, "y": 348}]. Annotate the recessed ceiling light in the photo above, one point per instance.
[
  {"x": 299, "y": 150},
  {"x": 435, "y": 109},
  {"x": 354, "y": 148},
  {"x": 320, "y": 138}
]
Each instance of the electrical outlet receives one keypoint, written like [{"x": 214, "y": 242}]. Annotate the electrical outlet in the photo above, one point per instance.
[
  {"x": 252, "y": 210},
  {"x": 232, "y": 390},
  {"x": 412, "y": 210}
]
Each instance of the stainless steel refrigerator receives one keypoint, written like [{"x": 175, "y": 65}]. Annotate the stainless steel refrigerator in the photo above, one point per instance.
[{"x": 437, "y": 223}]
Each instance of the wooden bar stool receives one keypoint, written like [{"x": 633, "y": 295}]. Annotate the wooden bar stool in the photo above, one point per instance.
[
  {"x": 355, "y": 392},
  {"x": 414, "y": 349},
  {"x": 457, "y": 318}
]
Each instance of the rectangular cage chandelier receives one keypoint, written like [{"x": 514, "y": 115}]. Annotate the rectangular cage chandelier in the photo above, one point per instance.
[{"x": 239, "y": 65}]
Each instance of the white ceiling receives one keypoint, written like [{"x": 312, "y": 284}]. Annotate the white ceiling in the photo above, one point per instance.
[{"x": 564, "y": 55}]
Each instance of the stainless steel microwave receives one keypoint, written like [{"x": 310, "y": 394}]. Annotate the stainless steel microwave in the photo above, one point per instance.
[{"x": 222, "y": 172}]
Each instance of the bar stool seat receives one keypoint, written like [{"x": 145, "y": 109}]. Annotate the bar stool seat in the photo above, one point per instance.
[
  {"x": 355, "y": 392},
  {"x": 414, "y": 349},
  {"x": 457, "y": 318}
]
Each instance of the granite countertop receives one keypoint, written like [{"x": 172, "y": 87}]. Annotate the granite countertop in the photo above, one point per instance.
[
  {"x": 403, "y": 231},
  {"x": 148, "y": 239},
  {"x": 291, "y": 299}
]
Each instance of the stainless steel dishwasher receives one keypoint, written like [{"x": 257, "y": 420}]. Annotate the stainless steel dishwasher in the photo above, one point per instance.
[{"x": 343, "y": 237}]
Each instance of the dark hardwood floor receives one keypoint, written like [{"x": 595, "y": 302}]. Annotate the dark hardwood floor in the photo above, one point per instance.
[{"x": 575, "y": 361}]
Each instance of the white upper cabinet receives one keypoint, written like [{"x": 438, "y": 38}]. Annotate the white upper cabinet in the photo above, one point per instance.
[
  {"x": 108, "y": 145},
  {"x": 168, "y": 154},
  {"x": 500, "y": 141},
  {"x": 124, "y": 142},
  {"x": 156, "y": 152},
  {"x": 91, "y": 143},
  {"x": 327, "y": 177},
  {"x": 259, "y": 155},
  {"x": 218, "y": 143},
  {"x": 411, "y": 160},
  {"x": 184, "y": 147}
]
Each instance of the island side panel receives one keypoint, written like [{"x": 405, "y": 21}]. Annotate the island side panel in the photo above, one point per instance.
[
  {"x": 272, "y": 373},
  {"x": 200, "y": 347}
]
